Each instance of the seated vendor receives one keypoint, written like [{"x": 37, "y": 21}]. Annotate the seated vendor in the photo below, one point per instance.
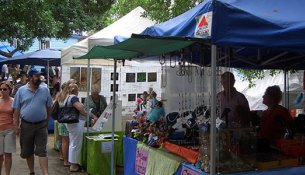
[
  {"x": 276, "y": 121},
  {"x": 96, "y": 101},
  {"x": 233, "y": 107}
]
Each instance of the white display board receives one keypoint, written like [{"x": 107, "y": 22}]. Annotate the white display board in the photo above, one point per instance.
[{"x": 104, "y": 123}]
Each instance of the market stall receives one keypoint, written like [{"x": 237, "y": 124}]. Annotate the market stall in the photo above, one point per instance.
[
  {"x": 243, "y": 51},
  {"x": 233, "y": 27},
  {"x": 101, "y": 70}
]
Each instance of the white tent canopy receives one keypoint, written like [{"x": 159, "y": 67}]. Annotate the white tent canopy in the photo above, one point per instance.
[
  {"x": 133, "y": 22},
  {"x": 255, "y": 94}
]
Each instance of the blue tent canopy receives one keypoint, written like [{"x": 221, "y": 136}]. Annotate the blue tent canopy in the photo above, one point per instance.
[
  {"x": 183, "y": 25},
  {"x": 6, "y": 48},
  {"x": 265, "y": 34},
  {"x": 42, "y": 57},
  {"x": 265, "y": 23}
]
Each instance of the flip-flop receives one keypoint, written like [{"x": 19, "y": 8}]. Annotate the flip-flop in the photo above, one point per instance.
[
  {"x": 67, "y": 165},
  {"x": 79, "y": 169}
]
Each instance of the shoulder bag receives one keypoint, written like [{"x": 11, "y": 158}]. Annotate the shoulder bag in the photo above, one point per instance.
[
  {"x": 55, "y": 110},
  {"x": 68, "y": 114}
]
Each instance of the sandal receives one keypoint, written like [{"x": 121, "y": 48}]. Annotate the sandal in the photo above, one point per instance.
[
  {"x": 79, "y": 169},
  {"x": 67, "y": 165}
]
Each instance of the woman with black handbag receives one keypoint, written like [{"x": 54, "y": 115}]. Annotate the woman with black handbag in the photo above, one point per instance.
[
  {"x": 76, "y": 129},
  {"x": 63, "y": 133}
]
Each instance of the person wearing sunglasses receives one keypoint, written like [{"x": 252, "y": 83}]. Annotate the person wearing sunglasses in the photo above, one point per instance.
[{"x": 7, "y": 129}]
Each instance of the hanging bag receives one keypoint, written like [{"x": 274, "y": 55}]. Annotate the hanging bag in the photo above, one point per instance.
[
  {"x": 55, "y": 110},
  {"x": 68, "y": 114}
]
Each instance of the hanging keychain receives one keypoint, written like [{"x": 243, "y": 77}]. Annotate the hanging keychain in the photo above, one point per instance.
[
  {"x": 170, "y": 62},
  {"x": 163, "y": 76},
  {"x": 162, "y": 59}
]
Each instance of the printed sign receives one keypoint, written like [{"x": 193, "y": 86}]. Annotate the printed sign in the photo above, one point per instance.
[
  {"x": 104, "y": 123},
  {"x": 106, "y": 147},
  {"x": 187, "y": 171},
  {"x": 141, "y": 161},
  {"x": 103, "y": 119},
  {"x": 204, "y": 25}
]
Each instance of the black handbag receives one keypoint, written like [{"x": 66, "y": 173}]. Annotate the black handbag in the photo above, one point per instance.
[
  {"x": 68, "y": 114},
  {"x": 55, "y": 110}
]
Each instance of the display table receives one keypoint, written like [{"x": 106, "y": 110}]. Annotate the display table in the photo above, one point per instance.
[
  {"x": 130, "y": 149},
  {"x": 86, "y": 149},
  {"x": 83, "y": 158},
  {"x": 159, "y": 161},
  {"x": 148, "y": 160},
  {"x": 99, "y": 156},
  {"x": 192, "y": 170}
]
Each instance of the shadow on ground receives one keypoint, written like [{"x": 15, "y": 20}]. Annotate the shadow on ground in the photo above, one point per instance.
[{"x": 56, "y": 167}]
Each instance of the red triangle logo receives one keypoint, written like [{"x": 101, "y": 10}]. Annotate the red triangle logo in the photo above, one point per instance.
[{"x": 203, "y": 22}]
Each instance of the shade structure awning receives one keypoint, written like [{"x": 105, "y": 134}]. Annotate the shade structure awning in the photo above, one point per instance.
[
  {"x": 138, "y": 47},
  {"x": 42, "y": 57}
]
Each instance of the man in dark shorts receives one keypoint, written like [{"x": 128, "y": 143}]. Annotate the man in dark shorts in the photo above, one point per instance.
[{"x": 32, "y": 104}]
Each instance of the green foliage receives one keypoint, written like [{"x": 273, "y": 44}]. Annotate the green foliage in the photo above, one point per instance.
[
  {"x": 26, "y": 20},
  {"x": 251, "y": 75},
  {"x": 157, "y": 10}
]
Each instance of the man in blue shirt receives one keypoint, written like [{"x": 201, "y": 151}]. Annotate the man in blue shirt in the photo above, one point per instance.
[{"x": 32, "y": 104}]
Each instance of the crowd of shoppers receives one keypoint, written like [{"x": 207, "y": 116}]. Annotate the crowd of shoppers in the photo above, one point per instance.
[{"x": 25, "y": 110}]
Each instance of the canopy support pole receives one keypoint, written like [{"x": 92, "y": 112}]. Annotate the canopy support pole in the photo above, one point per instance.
[
  {"x": 113, "y": 116},
  {"x": 285, "y": 89},
  {"x": 88, "y": 90},
  {"x": 48, "y": 69},
  {"x": 213, "y": 112}
]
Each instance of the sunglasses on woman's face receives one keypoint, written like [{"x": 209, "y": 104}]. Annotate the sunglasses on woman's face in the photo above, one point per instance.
[{"x": 3, "y": 89}]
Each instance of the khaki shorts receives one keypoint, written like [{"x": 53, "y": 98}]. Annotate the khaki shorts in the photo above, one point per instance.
[
  {"x": 33, "y": 139},
  {"x": 7, "y": 141}
]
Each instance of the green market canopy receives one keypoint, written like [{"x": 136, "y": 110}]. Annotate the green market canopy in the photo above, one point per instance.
[{"x": 138, "y": 47}]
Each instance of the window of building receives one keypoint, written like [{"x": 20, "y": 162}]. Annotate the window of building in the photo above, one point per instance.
[
  {"x": 139, "y": 95},
  {"x": 131, "y": 97},
  {"x": 44, "y": 44},
  {"x": 96, "y": 78},
  {"x": 141, "y": 77},
  {"x": 75, "y": 73},
  {"x": 152, "y": 77},
  {"x": 117, "y": 76},
  {"x": 83, "y": 79},
  {"x": 130, "y": 77},
  {"x": 80, "y": 75},
  {"x": 116, "y": 88}
]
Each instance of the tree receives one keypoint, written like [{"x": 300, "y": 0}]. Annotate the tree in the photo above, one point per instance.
[
  {"x": 158, "y": 10},
  {"x": 23, "y": 21},
  {"x": 163, "y": 10}
]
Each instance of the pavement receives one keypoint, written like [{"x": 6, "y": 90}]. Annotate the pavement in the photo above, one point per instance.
[{"x": 19, "y": 166}]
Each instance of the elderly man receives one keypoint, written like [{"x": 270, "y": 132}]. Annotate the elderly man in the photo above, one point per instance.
[
  {"x": 32, "y": 104},
  {"x": 232, "y": 105},
  {"x": 96, "y": 101}
]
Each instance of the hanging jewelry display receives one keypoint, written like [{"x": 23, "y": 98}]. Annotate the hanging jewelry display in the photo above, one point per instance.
[
  {"x": 163, "y": 76},
  {"x": 182, "y": 103},
  {"x": 181, "y": 63},
  {"x": 190, "y": 101},
  {"x": 172, "y": 65},
  {"x": 162, "y": 59}
]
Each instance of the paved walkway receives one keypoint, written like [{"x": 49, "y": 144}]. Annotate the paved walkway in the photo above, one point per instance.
[{"x": 55, "y": 165}]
